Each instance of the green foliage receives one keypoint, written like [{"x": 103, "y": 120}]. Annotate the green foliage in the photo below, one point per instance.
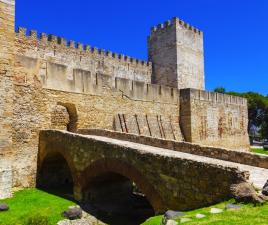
[
  {"x": 247, "y": 215},
  {"x": 220, "y": 90},
  {"x": 34, "y": 207},
  {"x": 260, "y": 151}
]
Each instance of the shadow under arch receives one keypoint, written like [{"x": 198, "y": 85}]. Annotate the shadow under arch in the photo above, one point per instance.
[
  {"x": 56, "y": 172},
  {"x": 116, "y": 166}
]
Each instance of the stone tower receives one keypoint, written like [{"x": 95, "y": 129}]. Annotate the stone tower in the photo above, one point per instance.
[
  {"x": 176, "y": 51},
  {"x": 7, "y": 34}
]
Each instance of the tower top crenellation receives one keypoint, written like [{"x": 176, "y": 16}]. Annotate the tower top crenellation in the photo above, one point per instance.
[{"x": 174, "y": 21}]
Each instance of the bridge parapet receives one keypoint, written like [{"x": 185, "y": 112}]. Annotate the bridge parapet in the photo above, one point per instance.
[
  {"x": 242, "y": 157},
  {"x": 169, "y": 179}
]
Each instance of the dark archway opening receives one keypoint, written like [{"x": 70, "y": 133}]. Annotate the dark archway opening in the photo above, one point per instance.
[
  {"x": 116, "y": 200},
  {"x": 54, "y": 176},
  {"x": 73, "y": 116}
]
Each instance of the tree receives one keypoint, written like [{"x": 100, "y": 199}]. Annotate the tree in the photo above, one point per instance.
[
  {"x": 264, "y": 128},
  {"x": 220, "y": 90}
]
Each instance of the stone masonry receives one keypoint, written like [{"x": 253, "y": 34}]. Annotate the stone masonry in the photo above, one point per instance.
[
  {"x": 7, "y": 35},
  {"x": 214, "y": 119},
  {"x": 49, "y": 83},
  {"x": 169, "y": 179},
  {"x": 176, "y": 50}
]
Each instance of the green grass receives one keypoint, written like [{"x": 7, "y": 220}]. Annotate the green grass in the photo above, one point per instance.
[
  {"x": 260, "y": 151},
  {"x": 247, "y": 215},
  {"x": 33, "y": 203}
]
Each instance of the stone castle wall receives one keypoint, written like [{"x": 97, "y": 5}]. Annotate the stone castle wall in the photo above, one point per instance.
[
  {"x": 75, "y": 56},
  {"x": 47, "y": 84},
  {"x": 7, "y": 12},
  {"x": 35, "y": 109},
  {"x": 93, "y": 105},
  {"x": 176, "y": 51},
  {"x": 214, "y": 119},
  {"x": 48, "y": 74},
  {"x": 151, "y": 126}
]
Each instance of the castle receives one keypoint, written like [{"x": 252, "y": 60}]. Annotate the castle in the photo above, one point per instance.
[{"x": 47, "y": 82}]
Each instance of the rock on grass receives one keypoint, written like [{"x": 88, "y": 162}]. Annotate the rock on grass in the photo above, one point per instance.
[
  {"x": 3, "y": 207},
  {"x": 73, "y": 213}
]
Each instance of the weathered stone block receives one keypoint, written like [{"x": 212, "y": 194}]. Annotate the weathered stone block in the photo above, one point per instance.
[{"x": 5, "y": 179}]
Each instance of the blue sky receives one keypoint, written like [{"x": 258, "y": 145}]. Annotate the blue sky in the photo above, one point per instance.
[{"x": 235, "y": 31}]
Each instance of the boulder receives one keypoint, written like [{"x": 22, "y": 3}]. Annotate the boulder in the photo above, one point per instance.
[
  {"x": 171, "y": 222},
  {"x": 76, "y": 222},
  {"x": 184, "y": 220},
  {"x": 171, "y": 215},
  {"x": 200, "y": 216},
  {"x": 265, "y": 189},
  {"x": 73, "y": 213},
  {"x": 244, "y": 192},
  {"x": 232, "y": 207},
  {"x": 3, "y": 207},
  {"x": 86, "y": 219},
  {"x": 215, "y": 210}
]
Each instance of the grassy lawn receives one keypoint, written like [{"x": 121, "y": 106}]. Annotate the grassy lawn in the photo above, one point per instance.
[
  {"x": 260, "y": 151},
  {"x": 247, "y": 215},
  {"x": 29, "y": 204}
]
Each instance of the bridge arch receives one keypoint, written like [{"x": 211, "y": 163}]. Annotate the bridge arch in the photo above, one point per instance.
[
  {"x": 55, "y": 167},
  {"x": 110, "y": 166}
]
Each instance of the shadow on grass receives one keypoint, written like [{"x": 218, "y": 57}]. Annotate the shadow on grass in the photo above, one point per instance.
[{"x": 131, "y": 211}]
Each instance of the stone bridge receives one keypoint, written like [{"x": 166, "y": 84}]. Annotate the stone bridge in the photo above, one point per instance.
[{"x": 168, "y": 179}]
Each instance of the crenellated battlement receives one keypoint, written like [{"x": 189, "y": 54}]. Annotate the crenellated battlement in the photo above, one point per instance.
[
  {"x": 174, "y": 22},
  {"x": 74, "y": 78},
  {"x": 59, "y": 42},
  {"x": 176, "y": 51},
  {"x": 188, "y": 94}
]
